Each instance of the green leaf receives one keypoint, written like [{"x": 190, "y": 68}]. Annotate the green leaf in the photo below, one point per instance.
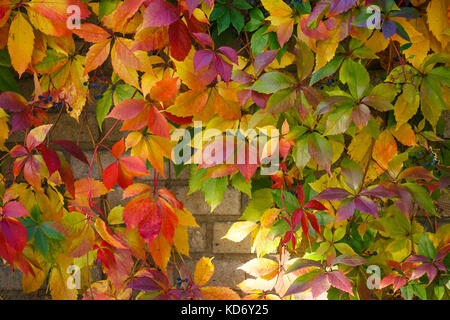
[
  {"x": 106, "y": 7},
  {"x": 426, "y": 247},
  {"x": 41, "y": 242},
  {"x": 50, "y": 232},
  {"x": 195, "y": 180},
  {"x": 217, "y": 12},
  {"x": 320, "y": 150},
  {"x": 242, "y": 4},
  {"x": 288, "y": 202},
  {"x": 214, "y": 189},
  {"x": 252, "y": 25},
  {"x": 103, "y": 107},
  {"x": 115, "y": 216},
  {"x": 355, "y": 76},
  {"x": 35, "y": 213},
  {"x": 338, "y": 120},
  {"x": 261, "y": 201},
  {"x": 238, "y": 182},
  {"x": 124, "y": 92},
  {"x": 223, "y": 22},
  {"x": 304, "y": 60},
  {"x": 7, "y": 80},
  {"x": 271, "y": 82},
  {"x": 422, "y": 197},
  {"x": 256, "y": 14},
  {"x": 5, "y": 60},
  {"x": 326, "y": 70},
  {"x": 407, "y": 291},
  {"x": 352, "y": 172},
  {"x": 237, "y": 19},
  {"x": 259, "y": 40},
  {"x": 300, "y": 152},
  {"x": 281, "y": 101},
  {"x": 419, "y": 290},
  {"x": 439, "y": 291}
]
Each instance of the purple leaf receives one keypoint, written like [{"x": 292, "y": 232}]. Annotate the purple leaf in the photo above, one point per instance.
[
  {"x": 389, "y": 28},
  {"x": 144, "y": 284},
  {"x": 339, "y": 6},
  {"x": 230, "y": 54},
  {"x": 332, "y": 194},
  {"x": 346, "y": 210},
  {"x": 202, "y": 58},
  {"x": 263, "y": 59},
  {"x": 361, "y": 115},
  {"x": 444, "y": 182},
  {"x": 224, "y": 69},
  {"x": 242, "y": 77},
  {"x": 378, "y": 192},
  {"x": 427, "y": 268},
  {"x": 364, "y": 204}
]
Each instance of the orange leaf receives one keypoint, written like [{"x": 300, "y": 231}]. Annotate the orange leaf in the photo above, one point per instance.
[
  {"x": 160, "y": 250},
  {"x": 165, "y": 89},
  {"x": 91, "y": 32},
  {"x": 96, "y": 55},
  {"x": 385, "y": 148}
]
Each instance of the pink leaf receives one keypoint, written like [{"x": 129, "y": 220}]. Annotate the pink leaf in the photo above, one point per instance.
[
  {"x": 14, "y": 209},
  {"x": 160, "y": 13},
  {"x": 230, "y": 54},
  {"x": 202, "y": 58},
  {"x": 204, "y": 38},
  {"x": 338, "y": 280},
  {"x": 263, "y": 59}
]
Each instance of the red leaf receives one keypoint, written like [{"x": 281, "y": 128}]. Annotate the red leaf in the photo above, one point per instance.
[
  {"x": 18, "y": 151},
  {"x": 135, "y": 211},
  {"x": 110, "y": 175},
  {"x": 160, "y": 13},
  {"x": 150, "y": 226},
  {"x": 14, "y": 232},
  {"x": 71, "y": 148},
  {"x": 13, "y": 102},
  {"x": 179, "y": 40},
  {"x": 51, "y": 159},
  {"x": 127, "y": 109},
  {"x": 124, "y": 178},
  {"x": 338, "y": 280},
  {"x": 313, "y": 220},
  {"x": 315, "y": 205}
]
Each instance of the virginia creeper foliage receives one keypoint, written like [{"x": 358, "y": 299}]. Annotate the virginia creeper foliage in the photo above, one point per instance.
[{"x": 350, "y": 102}]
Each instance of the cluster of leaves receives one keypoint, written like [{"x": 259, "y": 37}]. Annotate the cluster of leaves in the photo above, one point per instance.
[{"x": 354, "y": 113}]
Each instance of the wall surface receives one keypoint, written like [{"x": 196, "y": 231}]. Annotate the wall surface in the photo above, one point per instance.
[{"x": 204, "y": 241}]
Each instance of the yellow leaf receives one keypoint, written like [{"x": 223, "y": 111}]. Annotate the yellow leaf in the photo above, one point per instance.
[
  {"x": 20, "y": 43},
  {"x": 102, "y": 230},
  {"x": 181, "y": 240},
  {"x": 261, "y": 267},
  {"x": 407, "y": 104},
  {"x": 59, "y": 280},
  {"x": 239, "y": 230},
  {"x": 377, "y": 42},
  {"x": 203, "y": 271},
  {"x": 345, "y": 248},
  {"x": 438, "y": 20},
  {"x": 277, "y": 8},
  {"x": 185, "y": 218},
  {"x": 4, "y": 129}
]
